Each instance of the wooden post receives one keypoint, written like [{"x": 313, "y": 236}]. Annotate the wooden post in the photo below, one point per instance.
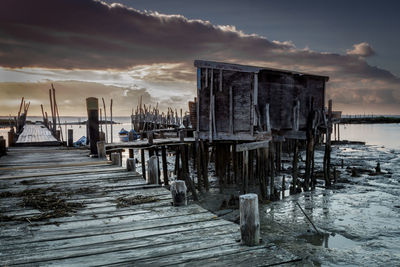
[
  {"x": 101, "y": 150},
  {"x": 70, "y": 137},
  {"x": 295, "y": 166},
  {"x": 92, "y": 105},
  {"x": 131, "y": 154},
  {"x": 185, "y": 172},
  {"x": 3, "y": 150},
  {"x": 249, "y": 220},
  {"x": 327, "y": 155},
  {"x": 181, "y": 136},
  {"x": 111, "y": 121},
  {"x": 150, "y": 138},
  {"x": 178, "y": 191},
  {"x": 199, "y": 170},
  {"x": 283, "y": 186},
  {"x": 105, "y": 119},
  {"x": 130, "y": 165},
  {"x": 152, "y": 175},
  {"x": 130, "y": 136},
  {"x": 116, "y": 158},
  {"x": 177, "y": 171},
  {"x": 235, "y": 163},
  {"x": 204, "y": 163},
  {"x": 58, "y": 135},
  {"x": 272, "y": 171},
  {"x": 164, "y": 164},
  {"x": 245, "y": 172},
  {"x": 142, "y": 158},
  {"x": 11, "y": 135}
]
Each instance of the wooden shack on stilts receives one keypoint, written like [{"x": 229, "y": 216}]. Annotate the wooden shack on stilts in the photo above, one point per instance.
[{"x": 249, "y": 114}]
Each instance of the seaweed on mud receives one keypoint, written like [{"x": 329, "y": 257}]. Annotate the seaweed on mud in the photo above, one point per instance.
[{"x": 123, "y": 202}]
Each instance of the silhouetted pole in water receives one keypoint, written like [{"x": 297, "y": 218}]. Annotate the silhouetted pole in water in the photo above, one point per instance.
[
  {"x": 105, "y": 119},
  {"x": 92, "y": 105}
]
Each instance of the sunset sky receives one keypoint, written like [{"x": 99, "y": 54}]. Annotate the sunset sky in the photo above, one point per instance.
[{"x": 130, "y": 48}]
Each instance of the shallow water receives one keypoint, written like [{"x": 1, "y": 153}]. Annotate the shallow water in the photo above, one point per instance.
[{"x": 360, "y": 222}]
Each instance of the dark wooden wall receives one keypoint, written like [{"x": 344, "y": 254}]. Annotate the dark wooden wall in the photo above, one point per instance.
[
  {"x": 242, "y": 91},
  {"x": 280, "y": 90}
]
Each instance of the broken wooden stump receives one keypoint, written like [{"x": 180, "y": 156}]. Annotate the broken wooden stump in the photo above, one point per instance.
[
  {"x": 378, "y": 168},
  {"x": 101, "y": 149},
  {"x": 116, "y": 158},
  {"x": 178, "y": 191},
  {"x": 11, "y": 138},
  {"x": 152, "y": 170},
  {"x": 130, "y": 165},
  {"x": 249, "y": 220}
]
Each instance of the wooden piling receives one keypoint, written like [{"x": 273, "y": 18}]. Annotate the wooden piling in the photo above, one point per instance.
[
  {"x": 11, "y": 138},
  {"x": 295, "y": 165},
  {"x": 249, "y": 220},
  {"x": 93, "y": 120},
  {"x": 164, "y": 164},
  {"x": 185, "y": 172},
  {"x": 152, "y": 168},
  {"x": 130, "y": 165},
  {"x": 70, "y": 137},
  {"x": 143, "y": 161},
  {"x": 116, "y": 159},
  {"x": 327, "y": 154},
  {"x": 58, "y": 132},
  {"x": 101, "y": 149},
  {"x": 272, "y": 172},
  {"x": 245, "y": 179},
  {"x": 179, "y": 195},
  {"x": 3, "y": 150},
  {"x": 204, "y": 163}
]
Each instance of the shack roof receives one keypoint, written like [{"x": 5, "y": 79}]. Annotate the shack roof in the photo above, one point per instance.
[{"x": 247, "y": 68}]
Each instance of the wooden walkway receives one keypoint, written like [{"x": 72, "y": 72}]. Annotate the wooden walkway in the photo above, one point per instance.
[
  {"x": 96, "y": 214},
  {"x": 36, "y": 135}
]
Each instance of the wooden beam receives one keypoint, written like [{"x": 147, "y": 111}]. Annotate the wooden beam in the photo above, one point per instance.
[
  {"x": 252, "y": 146},
  {"x": 300, "y": 135}
]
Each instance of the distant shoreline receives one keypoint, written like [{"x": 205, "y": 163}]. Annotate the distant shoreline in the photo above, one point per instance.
[{"x": 370, "y": 120}]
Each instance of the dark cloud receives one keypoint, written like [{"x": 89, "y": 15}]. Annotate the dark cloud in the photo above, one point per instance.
[{"x": 92, "y": 35}]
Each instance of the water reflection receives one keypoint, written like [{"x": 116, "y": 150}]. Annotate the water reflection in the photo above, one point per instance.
[
  {"x": 387, "y": 135},
  {"x": 333, "y": 240}
]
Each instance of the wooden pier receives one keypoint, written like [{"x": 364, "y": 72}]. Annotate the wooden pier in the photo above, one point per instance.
[
  {"x": 60, "y": 207},
  {"x": 36, "y": 135}
]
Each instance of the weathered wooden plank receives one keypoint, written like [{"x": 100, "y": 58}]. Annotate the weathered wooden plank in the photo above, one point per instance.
[
  {"x": 130, "y": 255},
  {"x": 36, "y": 134},
  {"x": 252, "y": 146},
  {"x": 99, "y": 227},
  {"x": 122, "y": 241}
]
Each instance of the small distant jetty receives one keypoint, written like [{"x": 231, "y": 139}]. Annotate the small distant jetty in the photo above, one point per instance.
[{"x": 369, "y": 120}]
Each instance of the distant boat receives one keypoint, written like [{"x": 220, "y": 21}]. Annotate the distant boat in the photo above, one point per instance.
[{"x": 123, "y": 135}]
